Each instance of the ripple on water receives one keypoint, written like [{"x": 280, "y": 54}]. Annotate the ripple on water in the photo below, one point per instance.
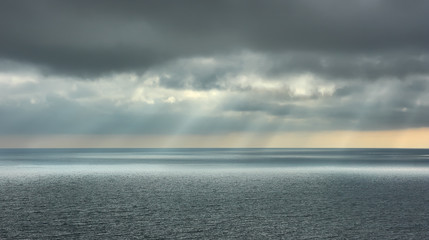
[{"x": 230, "y": 204}]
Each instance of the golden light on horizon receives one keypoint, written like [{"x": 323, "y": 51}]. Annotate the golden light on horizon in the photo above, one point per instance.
[{"x": 406, "y": 138}]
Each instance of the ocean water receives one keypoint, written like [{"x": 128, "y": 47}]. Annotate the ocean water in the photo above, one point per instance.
[{"x": 214, "y": 194}]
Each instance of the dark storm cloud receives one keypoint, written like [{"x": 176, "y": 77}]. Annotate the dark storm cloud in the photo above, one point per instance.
[
  {"x": 368, "y": 66},
  {"x": 331, "y": 67},
  {"x": 86, "y": 38},
  {"x": 173, "y": 67}
]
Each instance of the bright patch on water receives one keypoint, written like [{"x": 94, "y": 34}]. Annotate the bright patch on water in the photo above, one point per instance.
[{"x": 214, "y": 194}]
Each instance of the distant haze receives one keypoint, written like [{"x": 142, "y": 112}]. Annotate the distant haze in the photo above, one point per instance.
[{"x": 214, "y": 73}]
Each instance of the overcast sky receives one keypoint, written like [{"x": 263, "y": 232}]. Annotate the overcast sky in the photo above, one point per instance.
[{"x": 210, "y": 68}]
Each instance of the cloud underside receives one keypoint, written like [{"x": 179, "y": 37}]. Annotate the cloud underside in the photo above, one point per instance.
[{"x": 188, "y": 67}]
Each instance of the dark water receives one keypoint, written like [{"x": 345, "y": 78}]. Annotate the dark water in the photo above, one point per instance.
[{"x": 214, "y": 194}]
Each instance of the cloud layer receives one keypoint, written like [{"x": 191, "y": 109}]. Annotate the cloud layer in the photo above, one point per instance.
[{"x": 192, "y": 67}]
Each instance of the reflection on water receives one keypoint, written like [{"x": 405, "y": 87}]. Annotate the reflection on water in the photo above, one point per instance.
[
  {"x": 260, "y": 157},
  {"x": 214, "y": 194}
]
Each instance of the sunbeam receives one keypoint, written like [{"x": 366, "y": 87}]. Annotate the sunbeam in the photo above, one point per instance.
[{"x": 220, "y": 119}]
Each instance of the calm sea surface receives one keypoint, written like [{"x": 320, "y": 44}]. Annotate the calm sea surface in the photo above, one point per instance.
[{"x": 214, "y": 194}]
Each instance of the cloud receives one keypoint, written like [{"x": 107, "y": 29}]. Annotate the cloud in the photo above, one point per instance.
[
  {"x": 84, "y": 38},
  {"x": 141, "y": 104},
  {"x": 192, "y": 67}
]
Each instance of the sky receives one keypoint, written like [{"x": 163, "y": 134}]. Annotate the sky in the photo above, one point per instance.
[{"x": 214, "y": 73}]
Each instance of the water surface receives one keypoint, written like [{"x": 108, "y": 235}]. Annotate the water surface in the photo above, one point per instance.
[{"x": 214, "y": 194}]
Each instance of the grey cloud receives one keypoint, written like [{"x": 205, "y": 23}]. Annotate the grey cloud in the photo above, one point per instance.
[
  {"x": 374, "y": 53},
  {"x": 398, "y": 65},
  {"x": 333, "y": 67},
  {"x": 353, "y": 107},
  {"x": 84, "y": 38},
  {"x": 62, "y": 116}
]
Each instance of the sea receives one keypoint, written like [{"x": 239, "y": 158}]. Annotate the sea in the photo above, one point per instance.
[{"x": 214, "y": 194}]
